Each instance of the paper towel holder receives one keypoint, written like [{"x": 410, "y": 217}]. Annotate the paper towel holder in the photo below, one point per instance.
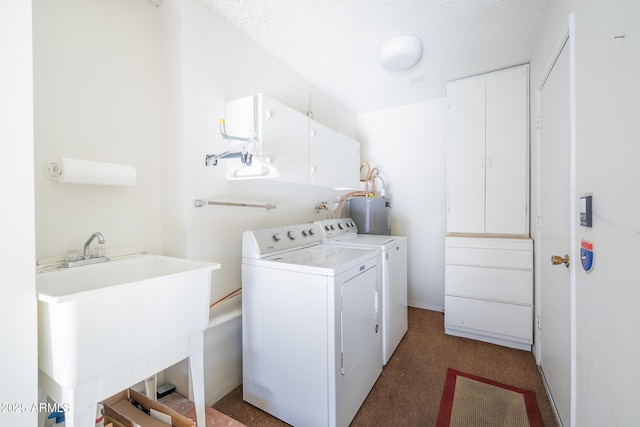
[
  {"x": 75, "y": 171},
  {"x": 54, "y": 170}
]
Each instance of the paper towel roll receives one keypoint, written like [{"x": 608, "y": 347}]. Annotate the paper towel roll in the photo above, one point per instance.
[{"x": 74, "y": 171}]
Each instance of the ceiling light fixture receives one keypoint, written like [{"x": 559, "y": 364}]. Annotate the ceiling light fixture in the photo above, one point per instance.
[{"x": 400, "y": 52}]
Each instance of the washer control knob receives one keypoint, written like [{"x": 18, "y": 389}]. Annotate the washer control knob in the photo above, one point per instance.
[
  {"x": 340, "y": 226},
  {"x": 327, "y": 227},
  {"x": 276, "y": 237},
  {"x": 304, "y": 233},
  {"x": 292, "y": 234},
  {"x": 311, "y": 232}
]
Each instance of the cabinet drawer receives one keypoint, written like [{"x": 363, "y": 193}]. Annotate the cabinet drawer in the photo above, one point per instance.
[
  {"x": 487, "y": 283},
  {"x": 488, "y": 317},
  {"x": 489, "y": 257},
  {"x": 488, "y": 242}
]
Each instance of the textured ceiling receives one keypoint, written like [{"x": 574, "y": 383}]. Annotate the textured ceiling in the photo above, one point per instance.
[{"x": 334, "y": 43}]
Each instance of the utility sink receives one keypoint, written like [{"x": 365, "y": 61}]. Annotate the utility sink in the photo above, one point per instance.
[{"x": 97, "y": 319}]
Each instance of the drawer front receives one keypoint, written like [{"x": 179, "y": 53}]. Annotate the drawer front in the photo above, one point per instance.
[
  {"x": 486, "y": 283},
  {"x": 488, "y": 317},
  {"x": 468, "y": 241},
  {"x": 483, "y": 257}
]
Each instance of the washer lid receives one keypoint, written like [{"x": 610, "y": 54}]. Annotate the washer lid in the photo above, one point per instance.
[
  {"x": 368, "y": 240},
  {"x": 321, "y": 259}
]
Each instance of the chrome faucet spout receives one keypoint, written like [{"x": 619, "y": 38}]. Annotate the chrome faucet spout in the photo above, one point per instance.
[
  {"x": 96, "y": 235},
  {"x": 212, "y": 159}
]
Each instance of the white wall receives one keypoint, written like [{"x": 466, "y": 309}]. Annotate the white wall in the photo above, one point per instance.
[
  {"x": 607, "y": 152},
  {"x": 408, "y": 145},
  {"x": 96, "y": 80},
  {"x": 17, "y": 251},
  {"x": 123, "y": 81}
]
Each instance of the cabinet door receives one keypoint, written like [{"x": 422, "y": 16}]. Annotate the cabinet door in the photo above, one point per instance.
[
  {"x": 348, "y": 158},
  {"x": 466, "y": 155},
  {"x": 323, "y": 147},
  {"x": 506, "y": 151},
  {"x": 285, "y": 140},
  {"x": 334, "y": 158}
]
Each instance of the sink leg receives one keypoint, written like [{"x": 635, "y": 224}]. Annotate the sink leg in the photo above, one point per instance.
[
  {"x": 80, "y": 401},
  {"x": 80, "y": 417},
  {"x": 196, "y": 368}
]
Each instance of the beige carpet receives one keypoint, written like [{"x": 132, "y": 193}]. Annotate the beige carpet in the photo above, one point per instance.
[
  {"x": 469, "y": 400},
  {"x": 409, "y": 391}
]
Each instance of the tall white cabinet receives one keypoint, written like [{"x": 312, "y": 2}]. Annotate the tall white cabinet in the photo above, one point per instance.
[
  {"x": 488, "y": 254},
  {"x": 487, "y": 153}
]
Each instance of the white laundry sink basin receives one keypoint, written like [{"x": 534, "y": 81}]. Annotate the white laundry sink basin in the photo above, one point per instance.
[{"x": 98, "y": 318}]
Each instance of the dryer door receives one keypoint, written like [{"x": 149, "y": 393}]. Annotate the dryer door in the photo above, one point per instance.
[{"x": 360, "y": 326}]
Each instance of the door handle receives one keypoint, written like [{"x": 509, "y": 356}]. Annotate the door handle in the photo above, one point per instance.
[
  {"x": 375, "y": 305},
  {"x": 556, "y": 259}
]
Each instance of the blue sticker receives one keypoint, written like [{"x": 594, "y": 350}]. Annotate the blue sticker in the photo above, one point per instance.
[{"x": 586, "y": 256}]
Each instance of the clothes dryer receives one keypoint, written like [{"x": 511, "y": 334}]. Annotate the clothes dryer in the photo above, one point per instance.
[
  {"x": 311, "y": 336},
  {"x": 344, "y": 232}
]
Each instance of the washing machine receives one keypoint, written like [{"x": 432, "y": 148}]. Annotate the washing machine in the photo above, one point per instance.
[
  {"x": 344, "y": 232},
  {"x": 311, "y": 336}
]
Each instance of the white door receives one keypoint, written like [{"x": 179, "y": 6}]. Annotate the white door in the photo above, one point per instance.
[
  {"x": 555, "y": 234},
  {"x": 506, "y": 167},
  {"x": 465, "y": 155},
  {"x": 359, "y": 318}
]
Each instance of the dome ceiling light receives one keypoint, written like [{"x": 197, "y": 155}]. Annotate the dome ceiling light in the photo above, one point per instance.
[{"x": 400, "y": 52}]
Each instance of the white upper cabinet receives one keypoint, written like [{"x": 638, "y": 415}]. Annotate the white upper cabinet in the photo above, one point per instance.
[
  {"x": 280, "y": 145},
  {"x": 323, "y": 146},
  {"x": 348, "y": 161},
  {"x": 290, "y": 146},
  {"x": 487, "y": 153},
  {"x": 284, "y": 139},
  {"x": 334, "y": 158}
]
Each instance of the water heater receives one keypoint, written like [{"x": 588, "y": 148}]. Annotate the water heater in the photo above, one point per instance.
[{"x": 371, "y": 215}]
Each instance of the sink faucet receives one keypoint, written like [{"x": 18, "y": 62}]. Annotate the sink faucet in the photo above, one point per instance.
[
  {"x": 87, "y": 258},
  {"x": 95, "y": 235}
]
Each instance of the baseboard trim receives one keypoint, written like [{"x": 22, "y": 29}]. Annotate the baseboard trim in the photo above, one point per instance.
[{"x": 551, "y": 401}]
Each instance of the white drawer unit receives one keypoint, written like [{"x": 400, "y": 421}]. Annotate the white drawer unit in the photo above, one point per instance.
[{"x": 489, "y": 289}]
